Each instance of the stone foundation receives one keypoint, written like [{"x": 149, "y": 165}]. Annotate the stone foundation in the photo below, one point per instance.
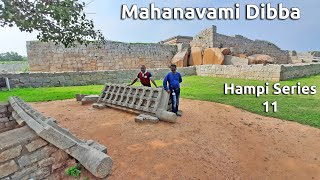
[
  {"x": 85, "y": 78},
  {"x": 258, "y": 72},
  {"x": 33, "y": 146}
]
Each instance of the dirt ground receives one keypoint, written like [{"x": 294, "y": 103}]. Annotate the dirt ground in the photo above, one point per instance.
[{"x": 210, "y": 141}]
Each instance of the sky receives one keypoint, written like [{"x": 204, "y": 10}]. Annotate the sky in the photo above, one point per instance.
[{"x": 300, "y": 35}]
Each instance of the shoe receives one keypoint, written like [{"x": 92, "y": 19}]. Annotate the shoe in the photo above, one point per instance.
[{"x": 178, "y": 114}]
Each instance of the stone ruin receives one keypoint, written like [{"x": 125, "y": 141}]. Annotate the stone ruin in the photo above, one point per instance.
[
  {"x": 207, "y": 47},
  {"x": 210, "y": 47},
  {"x": 305, "y": 57},
  {"x": 33, "y": 146},
  {"x": 151, "y": 104}
]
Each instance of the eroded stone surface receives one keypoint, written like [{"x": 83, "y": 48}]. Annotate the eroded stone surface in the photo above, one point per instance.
[
  {"x": 10, "y": 153},
  {"x": 8, "y": 168},
  {"x": 144, "y": 118}
]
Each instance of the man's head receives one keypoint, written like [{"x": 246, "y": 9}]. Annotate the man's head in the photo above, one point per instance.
[
  {"x": 173, "y": 68},
  {"x": 143, "y": 68}
]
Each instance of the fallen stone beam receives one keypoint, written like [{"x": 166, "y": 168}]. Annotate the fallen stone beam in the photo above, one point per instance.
[{"x": 90, "y": 154}]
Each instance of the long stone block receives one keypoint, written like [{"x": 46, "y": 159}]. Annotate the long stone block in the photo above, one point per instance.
[
  {"x": 96, "y": 161},
  {"x": 15, "y": 137}
]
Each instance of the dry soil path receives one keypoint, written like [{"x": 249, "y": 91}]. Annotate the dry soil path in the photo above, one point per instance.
[{"x": 210, "y": 141}]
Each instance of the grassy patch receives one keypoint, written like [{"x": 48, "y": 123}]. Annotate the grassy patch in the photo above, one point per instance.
[
  {"x": 300, "y": 108},
  {"x": 12, "y": 62},
  {"x": 50, "y": 93}
]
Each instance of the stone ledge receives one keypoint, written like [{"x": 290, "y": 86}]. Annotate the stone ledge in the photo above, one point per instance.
[{"x": 90, "y": 154}]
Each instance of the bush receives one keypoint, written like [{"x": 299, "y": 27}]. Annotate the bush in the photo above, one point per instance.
[{"x": 73, "y": 171}]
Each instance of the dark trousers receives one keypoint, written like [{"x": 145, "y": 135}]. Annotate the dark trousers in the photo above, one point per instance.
[{"x": 175, "y": 99}]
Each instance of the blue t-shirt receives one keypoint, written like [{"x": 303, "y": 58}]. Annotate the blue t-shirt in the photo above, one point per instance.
[{"x": 174, "y": 80}]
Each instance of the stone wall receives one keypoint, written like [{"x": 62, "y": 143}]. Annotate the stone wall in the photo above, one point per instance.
[
  {"x": 47, "y": 57},
  {"x": 257, "y": 72},
  {"x": 35, "y": 147},
  {"x": 205, "y": 39},
  {"x": 24, "y": 155},
  {"x": 270, "y": 72},
  {"x": 177, "y": 40},
  {"x": 6, "y": 120},
  {"x": 243, "y": 45},
  {"x": 299, "y": 70},
  {"x": 85, "y": 78},
  {"x": 304, "y": 57},
  {"x": 209, "y": 38}
]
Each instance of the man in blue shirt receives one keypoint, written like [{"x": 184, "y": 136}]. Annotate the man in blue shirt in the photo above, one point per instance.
[{"x": 174, "y": 79}]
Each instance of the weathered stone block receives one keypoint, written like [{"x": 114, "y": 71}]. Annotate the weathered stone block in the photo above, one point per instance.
[
  {"x": 144, "y": 118},
  {"x": 10, "y": 153},
  {"x": 98, "y": 163},
  {"x": 11, "y": 124},
  {"x": 24, "y": 172},
  {"x": 2, "y": 125},
  {"x": 89, "y": 99},
  {"x": 36, "y": 156},
  {"x": 97, "y": 146},
  {"x": 3, "y": 109},
  {"x": 42, "y": 173},
  {"x": 8, "y": 168},
  {"x": 36, "y": 144},
  {"x": 98, "y": 106},
  {"x": 4, "y": 119},
  {"x": 46, "y": 162},
  {"x": 14, "y": 137},
  {"x": 79, "y": 97},
  {"x": 24, "y": 161},
  {"x": 56, "y": 138}
]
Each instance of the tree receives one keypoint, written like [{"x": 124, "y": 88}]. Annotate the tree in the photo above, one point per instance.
[
  {"x": 11, "y": 56},
  {"x": 59, "y": 21}
]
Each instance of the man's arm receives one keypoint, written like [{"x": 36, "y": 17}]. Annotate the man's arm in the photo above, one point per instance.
[
  {"x": 134, "y": 81},
  {"x": 180, "y": 78},
  {"x": 151, "y": 79},
  {"x": 153, "y": 82},
  {"x": 165, "y": 86}
]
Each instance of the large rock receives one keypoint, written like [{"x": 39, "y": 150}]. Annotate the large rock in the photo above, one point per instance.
[
  {"x": 213, "y": 56},
  {"x": 260, "y": 59},
  {"x": 195, "y": 56},
  {"x": 225, "y": 51},
  {"x": 181, "y": 58},
  {"x": 89, "y": 99},
  {"x": 79, "y": 97},
  {"x": 233, "y": 60}
]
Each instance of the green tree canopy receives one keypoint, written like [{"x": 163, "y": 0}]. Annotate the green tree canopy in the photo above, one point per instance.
[
  {"x": 59, "y": 21},
  {"x": 11, "y": 56}
]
